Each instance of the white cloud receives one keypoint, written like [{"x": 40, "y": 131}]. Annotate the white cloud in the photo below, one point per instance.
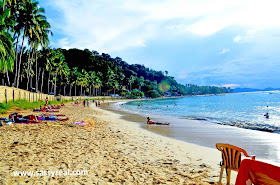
[
  {"x": 225, "y": 50},
  {"x": 108, "y": 25},
  {"x": 64, "y": 43},
  {"x": 237, "y": 38},
  {"x": 230, "y": 85},
  {"x": 182, "y": 75}
]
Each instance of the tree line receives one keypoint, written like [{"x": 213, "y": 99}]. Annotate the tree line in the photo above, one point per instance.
[{"x": 36, "y": 67}]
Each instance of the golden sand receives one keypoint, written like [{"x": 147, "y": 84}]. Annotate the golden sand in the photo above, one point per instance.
[{"x": 110, "y": 151}]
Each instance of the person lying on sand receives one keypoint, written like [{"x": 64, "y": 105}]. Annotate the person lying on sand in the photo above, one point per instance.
[{"x": 149, "y": 121}]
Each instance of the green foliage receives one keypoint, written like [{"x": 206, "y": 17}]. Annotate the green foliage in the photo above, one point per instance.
[
  {"x": 3, "y": 108},
  {"x": 24, "y": 104},
  {"x": 153, "y": 94},
  {"x": 136, "y": 94}
]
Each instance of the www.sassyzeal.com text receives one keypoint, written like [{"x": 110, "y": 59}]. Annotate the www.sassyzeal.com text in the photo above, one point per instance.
[{"x": 50, "y": 173}]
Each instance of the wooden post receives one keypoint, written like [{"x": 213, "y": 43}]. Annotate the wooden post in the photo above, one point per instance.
[
  {"x": 13, "y": 95},
  {"x": 19, "y": 96},
  {"x": 29, "y": 97},
  {"x": 33, "y": 96},
  {"x": 6, "y": 97}
]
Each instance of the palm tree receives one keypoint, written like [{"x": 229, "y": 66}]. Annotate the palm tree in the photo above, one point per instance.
[
  {"x": 30, "y": 14},
  {"x": 141, "y": 82},
  {"x": 6, "y": 41},
  {"x": 131, "y": 80},
  {"x": 57, "y": 64}
]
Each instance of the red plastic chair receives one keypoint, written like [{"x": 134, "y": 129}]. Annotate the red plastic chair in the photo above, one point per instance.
[{"x": 257, "y": 173}]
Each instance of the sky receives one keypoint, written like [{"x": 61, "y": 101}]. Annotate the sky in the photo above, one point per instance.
[{"x": 229, "y": 43}]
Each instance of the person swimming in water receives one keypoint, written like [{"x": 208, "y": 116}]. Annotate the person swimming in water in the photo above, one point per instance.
[{"x": 266, "y": 115}]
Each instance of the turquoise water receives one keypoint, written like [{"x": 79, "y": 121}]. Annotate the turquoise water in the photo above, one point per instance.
[{"x": 243, "y": 110}]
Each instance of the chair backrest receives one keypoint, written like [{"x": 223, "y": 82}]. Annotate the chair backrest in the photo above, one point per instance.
[{"x": 231, "y": 155}]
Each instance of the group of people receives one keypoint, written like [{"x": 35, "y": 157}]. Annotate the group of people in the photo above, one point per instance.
[
  {"x": 86, "y": 102},
  {"x": 97, "y": 103}
]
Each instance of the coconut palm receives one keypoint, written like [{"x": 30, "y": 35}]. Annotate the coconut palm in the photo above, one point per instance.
[
  {"x": 141, "y": 82},
  {"x": 131, "y": 80},
  {"x": 58, "y": 65},
  {"x": 29, "y": 17},
  {"x": 6, "y": 41}
]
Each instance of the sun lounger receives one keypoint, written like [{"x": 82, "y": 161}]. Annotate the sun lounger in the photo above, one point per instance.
[
  {"x": 231, "y": 156},
  {"x": 257, "y": 172}
]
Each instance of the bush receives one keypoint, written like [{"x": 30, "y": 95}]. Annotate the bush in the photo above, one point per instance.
[
  {"x": 136, "y": 94},
  {"x": 153, "y": 94},
  {"x": 3, "y": 108}
]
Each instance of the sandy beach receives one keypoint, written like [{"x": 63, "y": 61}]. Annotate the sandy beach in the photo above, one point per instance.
[{"x": 114, "y": 152}]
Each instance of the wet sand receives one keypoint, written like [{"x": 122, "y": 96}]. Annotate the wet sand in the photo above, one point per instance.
[{"x": 114, "y": 152}]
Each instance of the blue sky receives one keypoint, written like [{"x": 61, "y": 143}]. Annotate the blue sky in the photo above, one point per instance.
[{"x": 203, "y": 42}]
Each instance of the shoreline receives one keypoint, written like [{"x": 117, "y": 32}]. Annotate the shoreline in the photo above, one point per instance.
[{"x": 264, "y": 145}]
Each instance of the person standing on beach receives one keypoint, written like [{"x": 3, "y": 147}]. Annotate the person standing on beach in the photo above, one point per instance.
[
  {"x": 87, "y": 103},
  {"x": 47, "y": 101},
  {"x": 84, "y": 103},
  {"x": 96, "y": 103}
]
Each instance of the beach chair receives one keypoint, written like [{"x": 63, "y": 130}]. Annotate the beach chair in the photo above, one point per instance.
[
  {"x": 257, "y": 172},
  {"x": 231, "y": 156}
]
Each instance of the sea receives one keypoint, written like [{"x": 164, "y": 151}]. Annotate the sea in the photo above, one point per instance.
[
  {"x": 234, "y": 118},
  {"x": 243, "y": 110}
]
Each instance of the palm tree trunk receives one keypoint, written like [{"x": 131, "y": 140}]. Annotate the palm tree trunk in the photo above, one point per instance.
[
  {"x": 31, "y": 78},
  {"x": 36, "y": 76},
  {"x": 49, "y": 82},
  {"x": 29, "y": 69},
  {"x": 52, "y": 89},
  {"x": 27, "y": 72},
  {"x": 16, "y": 62},
  {"x": 55, "y": 84},
  {"x": 75, "y": 90},
  {"x": 81, "y": 91},
  {"x": 7, "y": 74},
  {"x": 20, "y": 58},
  {"x": 42, "y": 80},
  {"x": 70, "y": 90}
]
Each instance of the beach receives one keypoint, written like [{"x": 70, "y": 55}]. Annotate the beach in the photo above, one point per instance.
[{"x": 114, "y": 152}]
